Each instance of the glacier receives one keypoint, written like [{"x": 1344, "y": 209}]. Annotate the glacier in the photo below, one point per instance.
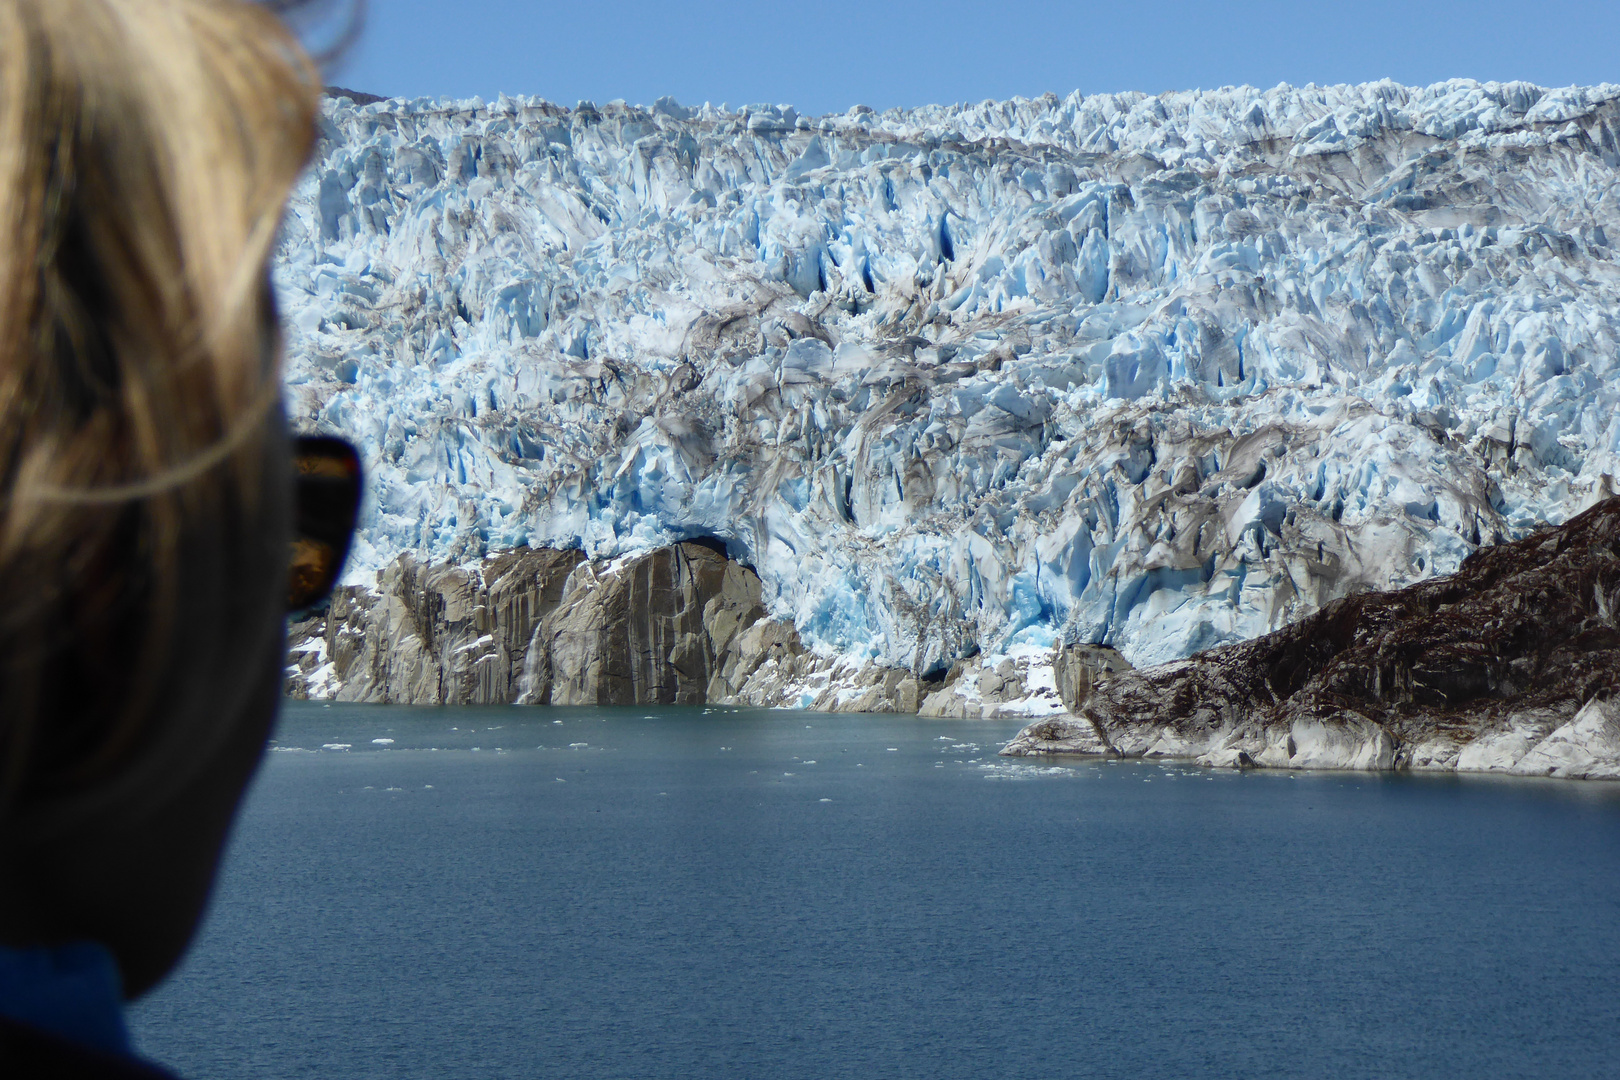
[{"x": 1157, "y": 373}]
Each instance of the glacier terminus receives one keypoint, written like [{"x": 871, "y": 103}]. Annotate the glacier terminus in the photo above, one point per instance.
[{"x": 923, "y": 398}]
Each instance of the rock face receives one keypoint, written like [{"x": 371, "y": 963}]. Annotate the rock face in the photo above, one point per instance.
[
  {"x": 1156, "y": 373},
  {"x": 679, "y": 626},
  {"x": 1512, "y": 664},
  {"x": 1004, "y": 687},
  {"x": 436, "y": 636},
  {"x": 1078, "y": 668},
  {"x": 636, "y": 636}
]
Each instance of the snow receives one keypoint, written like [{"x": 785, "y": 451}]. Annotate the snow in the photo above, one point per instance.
[{"x": 1154, "y": 372}]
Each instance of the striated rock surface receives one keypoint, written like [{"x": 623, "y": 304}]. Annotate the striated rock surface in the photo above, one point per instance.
[
  {"x": 444, "y": 635},
  {"x": 1512, "y": 664},
  {"x": 1078, "y": 668},
  {"x": 681, "y": 625},
  {"x": 633, "y": 633}
]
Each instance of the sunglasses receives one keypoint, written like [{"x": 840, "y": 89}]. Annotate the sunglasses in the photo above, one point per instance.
[{"x": 327, "y": 475}]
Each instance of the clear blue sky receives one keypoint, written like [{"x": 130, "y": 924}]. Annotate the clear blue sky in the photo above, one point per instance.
[{"x": 826, "y": 56}]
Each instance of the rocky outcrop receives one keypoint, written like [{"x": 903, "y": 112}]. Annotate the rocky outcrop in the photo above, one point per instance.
[
  {"x": 359, "y": 97},
  {"x": 633, "y": 633},
  {"x": 1512, "y": 664},
  {"x": 683, "y": 625},
  {"x": 1018, "y": 686},
  {"x": 1078, "y": 668},
  {"x": 444, "y": 635}
]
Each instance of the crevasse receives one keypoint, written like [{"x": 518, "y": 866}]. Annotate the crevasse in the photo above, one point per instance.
[{"x": 1152, "y": 372}]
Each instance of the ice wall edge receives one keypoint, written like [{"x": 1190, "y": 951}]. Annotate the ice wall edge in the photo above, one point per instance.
[{"x": 1150, "y": 373}]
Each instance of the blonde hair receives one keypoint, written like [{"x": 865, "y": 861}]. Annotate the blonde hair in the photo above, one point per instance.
[{"x": 146, "y": 150}]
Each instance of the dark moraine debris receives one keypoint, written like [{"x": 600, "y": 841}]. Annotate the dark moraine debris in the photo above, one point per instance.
[
  {"x": 1512, "y": 664},
  {"x": 359, "y": 97}
]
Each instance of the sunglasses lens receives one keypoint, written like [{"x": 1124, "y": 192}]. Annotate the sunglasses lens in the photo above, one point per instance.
[
  {"x": 327, "y": 473},
  {"x": 314, "y": 570}
]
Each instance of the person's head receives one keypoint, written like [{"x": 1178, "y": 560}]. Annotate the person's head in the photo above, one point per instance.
[{"x": 146, "y": 150}]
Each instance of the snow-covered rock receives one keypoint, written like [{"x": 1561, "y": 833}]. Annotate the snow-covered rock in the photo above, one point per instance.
[
  {"x": 1156, "y": 373},
  {"x": 1021, "y": 684}
]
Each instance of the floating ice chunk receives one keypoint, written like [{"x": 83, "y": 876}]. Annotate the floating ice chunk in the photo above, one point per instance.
[{"x": 1014, "y": 771}]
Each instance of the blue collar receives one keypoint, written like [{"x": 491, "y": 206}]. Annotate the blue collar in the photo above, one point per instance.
[{"x": 75, "y": 992}]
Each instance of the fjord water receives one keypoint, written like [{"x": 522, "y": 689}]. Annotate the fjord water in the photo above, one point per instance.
[{"x": 665, "y": 893}]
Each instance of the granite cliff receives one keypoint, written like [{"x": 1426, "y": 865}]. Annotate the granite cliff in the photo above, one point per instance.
[{"x": 682, "y": 625}]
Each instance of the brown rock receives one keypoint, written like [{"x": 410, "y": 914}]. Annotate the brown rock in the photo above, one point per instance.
[
  {"x": 635, "y": 635},
  {"x": 1078, "y": 668},
  {"x": 1499, "y": 654},
  {"x": 446, "y": 635},
  {"x": 682, "y": 625}
]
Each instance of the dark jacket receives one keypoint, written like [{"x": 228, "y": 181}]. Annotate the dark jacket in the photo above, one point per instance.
[{"x": 27, "y": 1053}]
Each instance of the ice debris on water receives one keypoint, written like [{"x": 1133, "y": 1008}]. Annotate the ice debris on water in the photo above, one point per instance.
[{"x": 997, "y": 771}]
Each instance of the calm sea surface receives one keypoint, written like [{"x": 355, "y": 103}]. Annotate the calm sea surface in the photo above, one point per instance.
[{"x": 679, "y": 893}]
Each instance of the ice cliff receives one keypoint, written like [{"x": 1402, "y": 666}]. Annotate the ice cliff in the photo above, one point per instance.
[{"x": 1152, "y": 373}]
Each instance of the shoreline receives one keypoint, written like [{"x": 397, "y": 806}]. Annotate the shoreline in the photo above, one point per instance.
[
  {"x": 1541, "y": 743},
  {"x": 1053, "y": 756}
]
